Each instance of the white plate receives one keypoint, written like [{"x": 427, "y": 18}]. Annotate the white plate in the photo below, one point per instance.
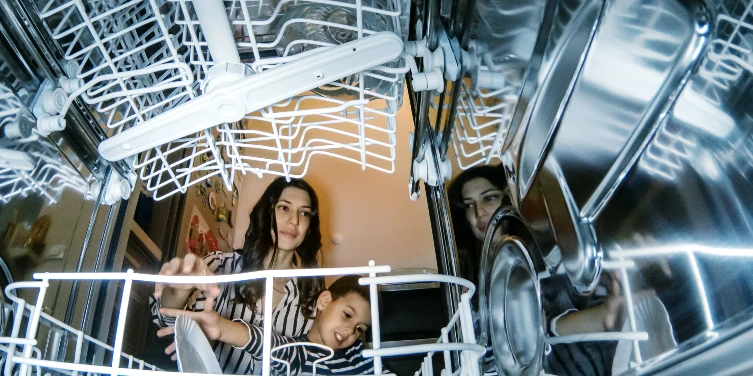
[
  {"x": 194, "y": 353},
  {"x": 650, "y": 316}
]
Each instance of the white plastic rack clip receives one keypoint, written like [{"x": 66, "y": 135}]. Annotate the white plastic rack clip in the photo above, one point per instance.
[
  {"x": 29, "y": 350},
  {"x": 28, "y": 166},
  {"x": 179, "y": 100}
]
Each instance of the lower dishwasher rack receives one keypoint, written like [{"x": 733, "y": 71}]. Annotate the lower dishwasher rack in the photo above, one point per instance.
[{"x": 39, "y": 343}]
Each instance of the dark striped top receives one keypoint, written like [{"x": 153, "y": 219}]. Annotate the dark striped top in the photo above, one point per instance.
[
  {"x": 287, "y": 318},
  {"x": 580, "y": 358},
  {"x": 572, "y": 359},
  {"x": 349, "y": 361}
]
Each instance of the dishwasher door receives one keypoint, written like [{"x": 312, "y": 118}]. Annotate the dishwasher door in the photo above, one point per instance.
[
  {"x": 53, "y": 217},
  {"x": 624, "y": 132}
]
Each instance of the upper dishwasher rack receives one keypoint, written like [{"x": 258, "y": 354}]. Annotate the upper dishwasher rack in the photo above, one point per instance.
[{"x": 137, "y": 60}]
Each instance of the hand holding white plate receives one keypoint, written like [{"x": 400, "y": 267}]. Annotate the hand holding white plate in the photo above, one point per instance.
[{"x": 192, "y": 348}]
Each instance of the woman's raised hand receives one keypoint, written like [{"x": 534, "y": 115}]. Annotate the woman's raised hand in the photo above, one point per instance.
[{"x": 175, "y": 295}]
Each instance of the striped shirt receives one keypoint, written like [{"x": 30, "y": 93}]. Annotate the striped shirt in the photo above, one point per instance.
[
  {"x": 287, "y": 318},
  {"x": 576, "y": 359},
  {"x": 348, "y": 361},
  {"x": 580, "y": 358},
  {"x": 488, "y": 363}
]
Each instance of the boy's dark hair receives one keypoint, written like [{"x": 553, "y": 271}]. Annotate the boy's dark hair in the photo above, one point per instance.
[{"x": 347, "y": 284}]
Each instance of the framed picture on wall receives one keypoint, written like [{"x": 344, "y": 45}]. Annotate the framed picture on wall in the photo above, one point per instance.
[{"x": 200, "y": 239}]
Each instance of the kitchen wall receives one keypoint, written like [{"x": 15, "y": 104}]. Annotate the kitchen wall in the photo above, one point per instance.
[{"x": 370, "y": 209}]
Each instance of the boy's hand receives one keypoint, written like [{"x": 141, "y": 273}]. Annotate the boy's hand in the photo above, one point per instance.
[
  {"x": 614, "y": 306},
  {"x": 208, "y": 320}
]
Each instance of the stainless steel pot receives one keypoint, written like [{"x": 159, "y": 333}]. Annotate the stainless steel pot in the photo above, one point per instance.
[{"x": 610, "y": 72}]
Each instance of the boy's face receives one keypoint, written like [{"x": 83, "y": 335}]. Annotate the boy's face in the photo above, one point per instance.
[{"x": 340, "y": 322}]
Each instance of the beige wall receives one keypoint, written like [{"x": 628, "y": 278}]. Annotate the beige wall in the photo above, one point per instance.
[{"x": 371, "y": 210}]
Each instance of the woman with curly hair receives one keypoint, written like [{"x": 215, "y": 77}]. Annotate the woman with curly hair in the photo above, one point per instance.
[
  {"x": 475, "y": 195},
  {"x": 283, "y": 234}
]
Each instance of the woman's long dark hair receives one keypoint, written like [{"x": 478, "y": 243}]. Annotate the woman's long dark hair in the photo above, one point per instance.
[
  {"x": 469, "y": 248},
  {"x": 259, "y": 242}
]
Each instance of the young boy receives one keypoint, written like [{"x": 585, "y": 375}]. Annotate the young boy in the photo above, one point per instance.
[{"x": 342, "y": 318}]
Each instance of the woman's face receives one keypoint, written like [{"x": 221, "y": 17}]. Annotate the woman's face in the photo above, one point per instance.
[
  {"x": 481, "y": 199},
  {"x": 293, "y": 214}
]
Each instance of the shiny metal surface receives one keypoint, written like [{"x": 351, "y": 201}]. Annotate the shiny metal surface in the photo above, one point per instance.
[
  {"x": 631, "y": 146},
  {"x": 725, "y": 351},
  {"x": 508, "y": 27},
  {"x": 21, "y": 20},
  {"x": 603, "y": 84},
  {"x": 565, "y": 240},
  {"x": 444, "y": 247},
  {"x": 516, "y": 319},
  {"x": 555, "y": 17},
  {"x": 684, "y": 214},
  {"x": 516, "y": 324},
  {"x": 617, "y": 81},
  {"x": 647, "y": 149},
  {"x": 510, "y": 312},
  {"x": 569, "y": 41},
  {"x": 670, "y": 44},
  {"x": 40, "y": 205}
]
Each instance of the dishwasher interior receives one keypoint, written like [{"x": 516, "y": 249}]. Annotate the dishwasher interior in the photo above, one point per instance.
[{"x": 622, "y": 128}]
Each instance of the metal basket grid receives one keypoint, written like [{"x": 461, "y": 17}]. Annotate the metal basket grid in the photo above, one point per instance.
[
  {"x": 143, "y": 58},
  {"x": 483, "y": 120}
]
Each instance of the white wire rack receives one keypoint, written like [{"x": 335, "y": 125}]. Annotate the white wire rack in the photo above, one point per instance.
[
  {"x": 10, "y": 106},
  {"x": 13, "y": 181},
  {"x": 669, "y": 152},
  {"x": 283, "y": 142},
  {"x": 47, "y": 339},
  {"x": 483, "y": 116},
  {"x": 140, "y": 59},
  {"x": 469, "y": 352},
  {"x": 731, "y": 50},
  {"x": 622, "y": 261},
  {"x": 23, "y": 348},
  {"x": 476, "y": 128}
]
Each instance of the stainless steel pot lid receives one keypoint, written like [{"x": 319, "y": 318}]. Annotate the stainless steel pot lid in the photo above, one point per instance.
[
  {"x": 516, "y": 322},
  {"x": 574, "y": 26}
]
